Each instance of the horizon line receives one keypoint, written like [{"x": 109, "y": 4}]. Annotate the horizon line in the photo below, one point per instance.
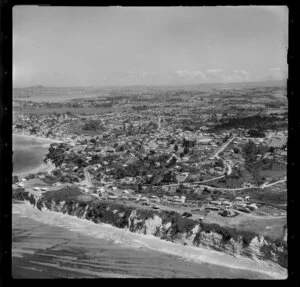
[{"x": 154, "y": 85}]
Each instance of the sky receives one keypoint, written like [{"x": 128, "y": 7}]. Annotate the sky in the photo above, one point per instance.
[{"x": 119, "y": 46}]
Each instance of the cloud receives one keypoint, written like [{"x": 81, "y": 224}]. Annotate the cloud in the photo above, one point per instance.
[
  {"x": 214, "y": 71},
  {"x": 240, "y": 75},
  {"x": 219, "y": 75},
  {"x": 215, "y": 75},
  {"x": 241, "y": 72},
  {"x": 191, "y": 74},
  {"x": 278, "y": 73}
]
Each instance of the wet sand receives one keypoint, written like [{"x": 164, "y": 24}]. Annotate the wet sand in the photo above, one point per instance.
[{"x": 42, "y": 250}]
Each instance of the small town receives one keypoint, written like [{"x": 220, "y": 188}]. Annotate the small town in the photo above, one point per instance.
[{"x": 149, "y": 160}]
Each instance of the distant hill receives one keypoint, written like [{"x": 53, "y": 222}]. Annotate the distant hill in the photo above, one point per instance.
[
  {"x": 269, "y": 83},
  {"x": 51, "y": 91}
]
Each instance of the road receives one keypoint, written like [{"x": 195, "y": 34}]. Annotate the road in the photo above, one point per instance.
[
  {"x": 89, "y": 183},
  {"x": 273, "y": 183},
  {"x": 87, "y": 179},
  {"x": 228, "y": 166},
  {"x": 270, "y": 135},
  {"x": 216, "y": 155}
]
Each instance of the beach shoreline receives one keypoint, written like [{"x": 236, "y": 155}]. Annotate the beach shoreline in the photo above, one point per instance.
[
  {"x": 42, "y": 167},
  {"x": 133, "y": 240},
  {"x": 44, "y": 139}
]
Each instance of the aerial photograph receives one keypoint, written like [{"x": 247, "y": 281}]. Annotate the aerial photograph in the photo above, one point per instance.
[{"x": 150, "y": 142}]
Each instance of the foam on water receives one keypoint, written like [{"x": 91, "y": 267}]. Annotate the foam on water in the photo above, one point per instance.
[{"x": 134, "y": 240}]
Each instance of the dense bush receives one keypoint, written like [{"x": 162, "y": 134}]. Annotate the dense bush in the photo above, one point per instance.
[
  {"x": 30, "y": 176},
  {"x": 269, "y": 197},
  {"x": 93, "y": 126},
  {"x": 256, "y": 122},
  {"x": 21, "y": 194},
  {"x": 256, "y": 133},
  {"x": 63, "y": 194},
  {"x": 56, "y": 154}
]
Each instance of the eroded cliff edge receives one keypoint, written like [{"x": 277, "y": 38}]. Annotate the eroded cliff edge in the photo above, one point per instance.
[{"x": 167, "y": 225}]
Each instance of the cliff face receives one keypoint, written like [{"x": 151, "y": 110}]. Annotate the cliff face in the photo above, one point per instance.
[{"x": 168, "y": 226}]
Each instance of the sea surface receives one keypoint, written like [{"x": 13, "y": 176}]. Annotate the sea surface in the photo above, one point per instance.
[
  {"x": 58, "y": 98},
  {"x": 28, "y": 153}
]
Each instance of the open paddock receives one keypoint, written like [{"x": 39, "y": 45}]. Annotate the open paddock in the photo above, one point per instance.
[{"x": 270, "y": 226}]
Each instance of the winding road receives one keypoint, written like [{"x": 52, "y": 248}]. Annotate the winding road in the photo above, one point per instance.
[{"x": 216, "y": 155}]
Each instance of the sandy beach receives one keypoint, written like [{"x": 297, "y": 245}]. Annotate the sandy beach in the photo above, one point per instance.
[
  {"x": 42, "y": 139},
  {"x": 44, "y": 167},
  {"x": 52, "y": 241}
]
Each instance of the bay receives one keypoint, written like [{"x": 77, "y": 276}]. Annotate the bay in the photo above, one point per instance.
[{"x": 28, "y": 153}]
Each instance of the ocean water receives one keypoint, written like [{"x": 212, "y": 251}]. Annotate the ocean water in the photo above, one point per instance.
[
  {"x": 58, "y": 98},
  {"x": 28, "y": 153},
  {"x": 48, "y": 244}
]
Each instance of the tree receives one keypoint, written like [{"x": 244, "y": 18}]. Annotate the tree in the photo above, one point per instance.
[
  {"x": 168, "y": 177},
  {"x": 256, "y": 133},
  {"x": 186, "y": 150},
  {"x": 140, "y": 187},
  {"x": 56, "y": 155},
  {"x": 173, "y": 161},
  {"x": 250, "y": 152},
  {"x": 219, "y": 163},
  {"x": 92, "y": 126},
  {"x": 271, "y": 149},
  {"x": 185, "y": 143},
  {"x": 176, "y": 148},
  {"x": 236, "y": 150}
]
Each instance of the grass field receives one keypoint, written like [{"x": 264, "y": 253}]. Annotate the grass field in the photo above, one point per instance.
[{"x": 273, "y": 227}]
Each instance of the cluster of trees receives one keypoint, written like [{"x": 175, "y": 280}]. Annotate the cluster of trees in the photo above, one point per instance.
[
  {"x": 256, "y": 133},
  {"x": 140, "y": 108},
  {"x": 188, "y": 143},
  {"x": 256, "y": 122},
  {"x": 65, "y": 177},
  {"x": 254, "y": 165},
  {"x": 156, "y": 165},
  {"x": 75, "y": 159},
  {"x": 56, "y": 154},
  {"x": 105, "y": 105},
  {"x": 93, "y": 125},
  {"x": 269, "y": 197},
  {"x": 250, "y": 152}
]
